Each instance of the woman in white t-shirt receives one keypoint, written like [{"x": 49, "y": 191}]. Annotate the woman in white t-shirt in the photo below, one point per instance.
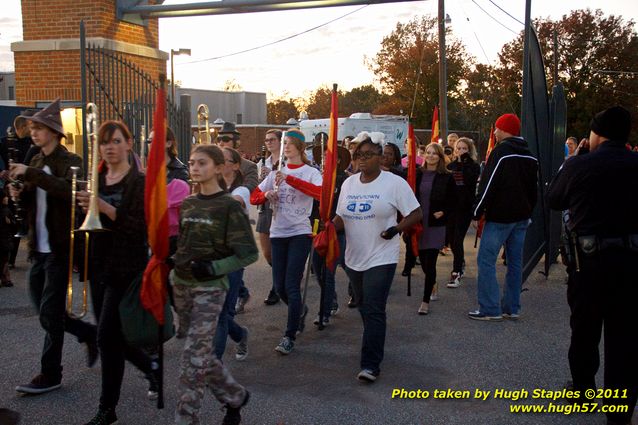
[
  {"x": 290, "y": 192},
  {"x": 367, "y": 209}
]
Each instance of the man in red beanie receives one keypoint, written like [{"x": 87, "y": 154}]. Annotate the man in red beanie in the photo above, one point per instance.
[
  {"x": 600, "y": 190},
  {"x": 506, "y": 196}
]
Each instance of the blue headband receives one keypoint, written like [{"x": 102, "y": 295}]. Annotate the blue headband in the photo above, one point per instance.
[{"x": 296, "y": 134}]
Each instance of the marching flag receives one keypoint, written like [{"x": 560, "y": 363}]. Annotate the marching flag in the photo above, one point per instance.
[
  {"x": 435, "y": 125},
  {"x": 326, "y": 242},
  {"x": 153, "y": 293},
  {"x": 417, "y": 229},
  {"x": 490, "y": 146}
]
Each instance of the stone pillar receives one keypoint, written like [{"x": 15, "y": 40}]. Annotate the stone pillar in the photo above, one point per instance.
[{"x": 47, "y": 62}]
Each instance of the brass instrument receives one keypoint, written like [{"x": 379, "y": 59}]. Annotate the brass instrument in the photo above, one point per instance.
[
  {"x": 273, "y": 205},
  {"x": 260, "y": 166},
  {"x": 202, "y": 115},
  {"x": 69, "y": 292}
]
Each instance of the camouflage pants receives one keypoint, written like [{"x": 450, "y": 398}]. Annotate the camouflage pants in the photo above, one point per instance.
[{"x": 199, "y": 308}]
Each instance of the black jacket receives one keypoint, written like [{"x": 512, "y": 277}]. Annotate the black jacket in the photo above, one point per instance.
[
  {"x": 600, "y": 190},
  {"x": 466, "y": 194},
  {"x": 58, "y": 188},
  {"x": 441, "y": 197},
  {"x": 176, "y": 169},
  {"x": 509, "y": 183}
]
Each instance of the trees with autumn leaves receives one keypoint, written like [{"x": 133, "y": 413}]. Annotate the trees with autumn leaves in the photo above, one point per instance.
[{"x": 597, "y": 59}]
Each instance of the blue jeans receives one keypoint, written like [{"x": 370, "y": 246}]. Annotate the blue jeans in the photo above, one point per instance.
[
  {"x": 226, "y": 325},
  {"x": 371, "y": 288},
  {"x": 494, "y": 236},
  {"x": 326, "y": 277},
  {"x": 288, "y": 260}
]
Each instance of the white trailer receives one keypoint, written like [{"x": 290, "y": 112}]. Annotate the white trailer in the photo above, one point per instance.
[{"x": 395, "y": 127}]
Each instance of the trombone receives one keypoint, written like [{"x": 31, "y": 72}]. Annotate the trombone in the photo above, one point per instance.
[
  {"x": 92, "y": 220},
  {"x": 202, "y": 115}
]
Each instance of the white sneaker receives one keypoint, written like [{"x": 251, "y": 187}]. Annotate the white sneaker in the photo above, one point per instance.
[{"x": 455, "y": 280}]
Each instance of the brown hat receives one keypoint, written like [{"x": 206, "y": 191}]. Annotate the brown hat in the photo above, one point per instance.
[
  {"x": 343, "y": 153},
  {"x": 49, "y": 116}
]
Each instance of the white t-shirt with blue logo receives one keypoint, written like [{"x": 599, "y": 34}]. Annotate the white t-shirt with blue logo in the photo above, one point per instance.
[
  {"x": 367, "y": 209},
  {"x": 294, "y": 207}
]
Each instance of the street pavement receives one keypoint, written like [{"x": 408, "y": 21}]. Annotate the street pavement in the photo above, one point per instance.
[{"x": 316, "y": 383}]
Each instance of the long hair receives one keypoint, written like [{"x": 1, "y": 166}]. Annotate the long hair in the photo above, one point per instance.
[
  {"x": 104, "y": 134},
  {"x": 441, "y": 167},
  {"x": 170, "y": 137},
  {"x": 216, "y": 154},
  {"x": 298, "y": 143},
  {"x": 471, "y": 149},
  {"x": 239, "y": 176},
  {"x": 396, "y": 154}
]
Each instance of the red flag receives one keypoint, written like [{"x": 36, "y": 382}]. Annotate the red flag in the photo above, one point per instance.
[
  {"x": 326, "y": 242},
  {"x": 490, "y": 146},
  {"x": 435, "y": 125},
  {"x": 153, "y": 293},
  {"x": 417, "y": 229}
]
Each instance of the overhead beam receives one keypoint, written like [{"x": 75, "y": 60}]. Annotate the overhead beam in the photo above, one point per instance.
[{"x": 136, "y": 13}]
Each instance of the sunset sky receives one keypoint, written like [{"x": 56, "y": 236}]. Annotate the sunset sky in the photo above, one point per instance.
[{"x": 333, "y": 53}]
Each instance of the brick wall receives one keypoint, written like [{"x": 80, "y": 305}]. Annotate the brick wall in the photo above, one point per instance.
[{"x": 45, "y": 75}]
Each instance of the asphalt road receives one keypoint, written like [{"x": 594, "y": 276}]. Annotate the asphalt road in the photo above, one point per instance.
[{"x": 316, "y": 383}]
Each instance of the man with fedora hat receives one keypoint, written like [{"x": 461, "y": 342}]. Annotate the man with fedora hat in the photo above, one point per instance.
[
  {"x": 506, "y": 197},
  {"x": 228, "y": 137},
  {"x": 600, "y": 191},
  {"x": 46, "y": 196}
]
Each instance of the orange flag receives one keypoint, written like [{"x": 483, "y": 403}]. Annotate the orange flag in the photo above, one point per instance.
[
  {"x": 326, "y": 243},
  {"x": 417, "y": 229},
  {"x": 435, "y": 125},
  {"x": 153, "y": 293},
  {"x": 490, "y": 146}
]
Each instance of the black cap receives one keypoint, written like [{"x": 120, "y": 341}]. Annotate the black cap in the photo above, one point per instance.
[{"x": 613, "y": 123}]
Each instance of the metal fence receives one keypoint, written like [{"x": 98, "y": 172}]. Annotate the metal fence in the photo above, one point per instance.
[{"x": 122, "y": 91}]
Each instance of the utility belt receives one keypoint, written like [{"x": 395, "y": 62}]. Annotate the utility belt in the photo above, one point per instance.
[{"x": 589, "y": 245}]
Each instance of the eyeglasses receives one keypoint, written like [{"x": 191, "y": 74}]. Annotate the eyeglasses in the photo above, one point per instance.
[
  {"x": 365, "y": 155},
  {"x": 224, "y": 139}
]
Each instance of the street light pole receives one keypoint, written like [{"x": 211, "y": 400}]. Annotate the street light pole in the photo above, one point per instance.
[
  {"x": 174, "y": 52},
  {"x": 442, "y": 72}
]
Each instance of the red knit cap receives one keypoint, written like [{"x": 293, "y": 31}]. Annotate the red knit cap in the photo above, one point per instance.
[{"x": 509, "y": 123}]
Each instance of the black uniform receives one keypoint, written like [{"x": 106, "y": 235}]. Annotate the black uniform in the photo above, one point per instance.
[{"x": 600, "y": 191}]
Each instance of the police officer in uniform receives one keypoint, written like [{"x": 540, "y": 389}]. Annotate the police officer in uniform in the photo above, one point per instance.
[{"x": 600, "y": 191}]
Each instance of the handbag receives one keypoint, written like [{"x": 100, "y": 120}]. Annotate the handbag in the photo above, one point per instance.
[{"x": 139, "y": 327}]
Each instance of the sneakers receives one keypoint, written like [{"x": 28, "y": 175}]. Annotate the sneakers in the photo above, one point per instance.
[
  {"x": 241, "y": 351},
  {"x": 103, "y": 417},
  {"x": 335, "y": 308},
  {"x": 241, "y": 304},
  {"x": 367, "y": 375},
  {"x": 91, "y": 353},
  {"x": 285, "y": 346},
  {"x": 424, "y": 309},
  {"x": 272, "y": 298},
  {"x": 455, "y": 280},
  {"x": 317, "y": 321},
  {"x": 511, "y": 316},
  {"x": 39, "y": 385},
  {"x": 477, "y": 315},
  {"x": 153, "y": 381},
  {"x": 233, "y": 416}
]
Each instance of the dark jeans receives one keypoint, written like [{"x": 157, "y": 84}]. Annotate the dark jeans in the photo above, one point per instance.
[
  {"x": 113, "y": 349},
  {"x": 371, "y": 288},
  {"x": 48, "y": 278},
  {"x": 226, "y": 325},
  {"x": 289, "y": 257},
  {"x": 326, "y": 278},
  {"x": 602, "y": 295},
  {"x": 462, "y": 219},
  {"x": 428, "y": 259}
]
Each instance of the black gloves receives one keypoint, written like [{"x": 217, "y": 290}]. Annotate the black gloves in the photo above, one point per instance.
[
  {"x": 389, "y": 233},
  {"x": 204, "y": 270}
]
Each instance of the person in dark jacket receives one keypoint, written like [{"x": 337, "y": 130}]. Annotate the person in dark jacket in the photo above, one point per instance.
[
  {"x": 435, "y": 193},
  {"x": 465, "y": 171},
  {"x": 600, "y": 191},
  {"x": 506, "y": 197},
  {"x": 175, "y": 169},
  {"x": 46, "y": 196}
]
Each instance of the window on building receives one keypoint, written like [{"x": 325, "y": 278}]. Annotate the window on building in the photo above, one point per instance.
[
  {"x": 12, "y": 95},
  {"x": 239, "y": 118}
]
